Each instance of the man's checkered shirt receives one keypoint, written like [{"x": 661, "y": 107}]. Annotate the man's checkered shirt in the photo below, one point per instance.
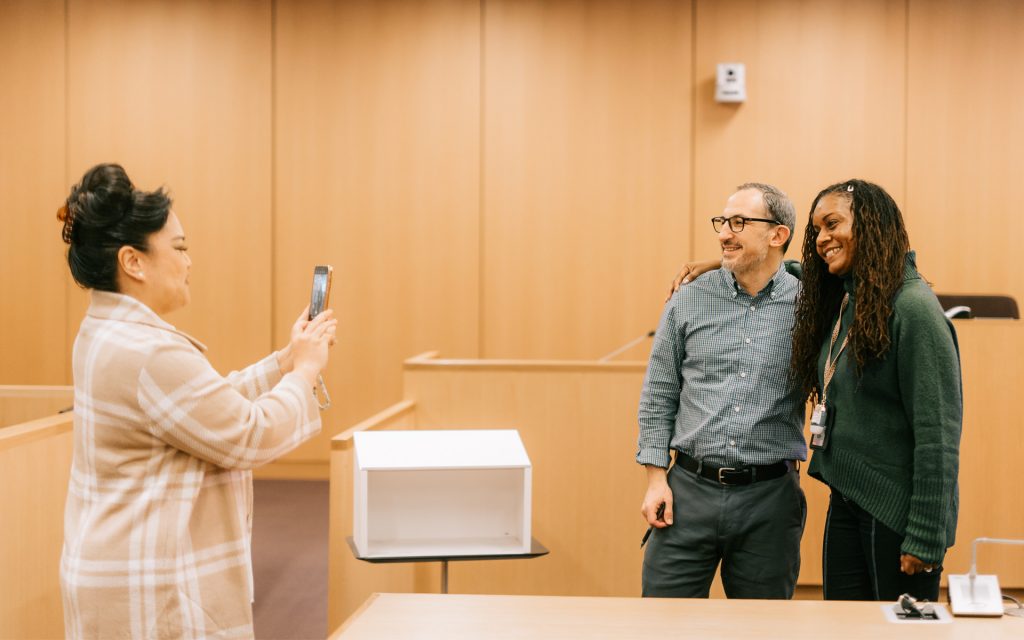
[{"x": 717, "y": 384}]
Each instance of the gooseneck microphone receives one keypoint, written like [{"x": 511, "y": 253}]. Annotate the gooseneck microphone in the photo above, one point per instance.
[{"x": 626, "y": 347}]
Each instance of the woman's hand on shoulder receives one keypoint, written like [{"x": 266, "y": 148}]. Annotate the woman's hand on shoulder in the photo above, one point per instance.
[{"x": 689, "y": 271}]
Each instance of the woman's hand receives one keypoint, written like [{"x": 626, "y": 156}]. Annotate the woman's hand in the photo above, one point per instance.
[
  {"x": 910, "y": 565},
  {"x": 306, "y": 353},
  {"x": 689, "y": 271}
]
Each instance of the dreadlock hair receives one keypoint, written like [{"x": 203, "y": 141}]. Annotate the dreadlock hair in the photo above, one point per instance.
[{"x": 878, "y": 263}]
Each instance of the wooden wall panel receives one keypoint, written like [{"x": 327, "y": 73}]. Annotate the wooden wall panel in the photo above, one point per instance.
[
  {"x": 377, "y": 172},
  {"x": 32, "y": 266},
  {"x": 352, "y": 581},
  {"x": 825, "y": 101},
  {"x": 586, "y": 165},
  {"x": 180, "y": 93},
  {"x": 965, "y": 132},
  {"x": 21, "y": 403},
  {"x": 35, "y": 465},
  {"x": 575, "y": 426},
  {"x": 990, "y": 502}
]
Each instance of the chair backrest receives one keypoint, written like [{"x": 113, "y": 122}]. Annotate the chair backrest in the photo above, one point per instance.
[{"x": 982, "y": 306}]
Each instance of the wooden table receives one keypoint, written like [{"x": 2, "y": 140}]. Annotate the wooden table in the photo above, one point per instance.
[{"x": 456, "y": 617}]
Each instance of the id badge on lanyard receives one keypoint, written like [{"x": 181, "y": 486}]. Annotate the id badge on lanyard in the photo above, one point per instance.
[
  {"x": 821, "y": 424},
  {"x": 824, "y": 414}
]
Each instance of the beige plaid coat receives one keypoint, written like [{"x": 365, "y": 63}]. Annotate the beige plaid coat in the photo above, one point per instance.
[{"x": 159, "y": 511}]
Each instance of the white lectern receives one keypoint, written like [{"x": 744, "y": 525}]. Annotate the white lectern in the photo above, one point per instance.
[{"x": 441, "y": 495}]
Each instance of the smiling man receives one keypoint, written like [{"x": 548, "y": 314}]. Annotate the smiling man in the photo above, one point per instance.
[{"x": 718, "y": 393}]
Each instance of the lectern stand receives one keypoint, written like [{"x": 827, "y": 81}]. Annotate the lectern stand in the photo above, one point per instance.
[{"x": 536, "y": 550}]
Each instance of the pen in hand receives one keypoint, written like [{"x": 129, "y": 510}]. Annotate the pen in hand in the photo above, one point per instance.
[{"x": 659, "y": 515}]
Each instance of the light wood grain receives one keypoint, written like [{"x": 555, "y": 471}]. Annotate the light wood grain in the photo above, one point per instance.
[
  {"x": 457, "y": 617},
  {"x": 578, "y": 424},
  {"x": 33, "y": 347},
  {"x": 376, "y": 171},
  {"x": 20, "y": 403},
  {"x": 351, "y": 580},
  {"x": 991, "y": 448},
  {"x": 180, "y": 94},
  {"x": 501, "y": 179},
  {"x": 964, "y": 134},
  {"x": 825, "y": 86},
  {"x": 586, "y": 172},
  {"x": 579, "y": 429},
  {"x": 35, "y": 463}
]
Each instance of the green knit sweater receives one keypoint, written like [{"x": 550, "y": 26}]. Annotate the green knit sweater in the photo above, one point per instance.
[{"x": 894, "y": 447}]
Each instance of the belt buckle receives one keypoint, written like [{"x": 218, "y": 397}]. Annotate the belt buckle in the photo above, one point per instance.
[{"x": 722, "y": 470}]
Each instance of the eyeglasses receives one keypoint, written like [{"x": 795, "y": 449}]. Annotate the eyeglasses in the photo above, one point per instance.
[{"x": 736, "y": 223}]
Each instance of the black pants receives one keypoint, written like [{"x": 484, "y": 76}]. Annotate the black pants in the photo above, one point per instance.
[
  {"x": 861, "y": 558},
  {"x": 753, "y": 531}
]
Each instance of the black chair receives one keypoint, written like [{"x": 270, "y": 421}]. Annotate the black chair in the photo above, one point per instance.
[{"x": 978, "y": 306}]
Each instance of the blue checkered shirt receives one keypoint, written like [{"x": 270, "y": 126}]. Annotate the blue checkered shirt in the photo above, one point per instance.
[{"x": 717, "y": 384}]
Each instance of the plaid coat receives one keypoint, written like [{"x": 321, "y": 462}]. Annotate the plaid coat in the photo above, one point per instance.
[{"x": 158, "y": 519}]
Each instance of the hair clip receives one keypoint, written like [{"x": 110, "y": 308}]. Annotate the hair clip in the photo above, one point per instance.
[{"x": 67, "y": 216}]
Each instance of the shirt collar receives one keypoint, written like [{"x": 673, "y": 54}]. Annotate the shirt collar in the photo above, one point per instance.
[
  {"x": 107, "y": 305},
  {"x": 729, "y": 281}
]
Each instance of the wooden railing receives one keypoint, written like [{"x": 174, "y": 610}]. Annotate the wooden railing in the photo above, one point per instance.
[{"x": 35, "y": 463}]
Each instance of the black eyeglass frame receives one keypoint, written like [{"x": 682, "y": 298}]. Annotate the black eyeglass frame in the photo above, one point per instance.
[{"x": 718, "y": 221}]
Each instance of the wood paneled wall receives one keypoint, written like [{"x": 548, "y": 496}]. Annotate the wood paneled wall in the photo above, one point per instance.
[
  {"x": 490, "y": 178},
  {"x": 376, "y": 165},
  {"x": 586, "y": 172},
  {"x": 179, "y": 93},
  {"x": 32, "y": 96},
  {"x": 965, "y": 132},
  {"x": 825, "y": 101},
  {"x": 35, "y": 466}
]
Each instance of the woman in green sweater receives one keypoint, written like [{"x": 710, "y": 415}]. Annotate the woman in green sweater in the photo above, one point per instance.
[{"x": 878, "y": 358}]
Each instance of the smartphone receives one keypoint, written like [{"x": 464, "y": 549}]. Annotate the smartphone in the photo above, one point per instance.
[{"x": 318, "y": 299}]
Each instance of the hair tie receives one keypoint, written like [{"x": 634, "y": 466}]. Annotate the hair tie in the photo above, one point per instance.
[
  {"x": 67, "y": 216},
  {"x": 849, "y": 187}
]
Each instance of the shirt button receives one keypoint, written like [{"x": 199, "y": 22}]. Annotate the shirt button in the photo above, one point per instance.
[
  {"x": 743, "y": 374},
  {"x": 748, "y": 341},
  {"x": 736, "y": 408},
  {"x": 732, "y": 443},
  {"x": 751, "y": 307}
]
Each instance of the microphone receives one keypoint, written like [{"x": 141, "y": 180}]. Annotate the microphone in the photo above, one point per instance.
[
  {"x": 959, "y": 311},
  {"x": 979, "y": 595},
  {"x": 629, "y": 345}
]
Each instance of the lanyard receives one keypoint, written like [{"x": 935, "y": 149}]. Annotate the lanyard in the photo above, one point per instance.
[{"x": 830, "y": 364}]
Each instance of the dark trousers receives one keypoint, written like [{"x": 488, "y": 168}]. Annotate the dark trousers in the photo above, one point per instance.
[
  {"x": 861, "y": 558},
  {"x": 753, "y": 530}
]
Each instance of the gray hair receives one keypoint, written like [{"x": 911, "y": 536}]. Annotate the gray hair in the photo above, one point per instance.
[{"x": 777, "y": 204}]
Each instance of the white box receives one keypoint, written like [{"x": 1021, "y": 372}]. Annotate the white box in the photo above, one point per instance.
[{"x": 441, "y": 493}]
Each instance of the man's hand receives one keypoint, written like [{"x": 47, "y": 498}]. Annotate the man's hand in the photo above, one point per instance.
[
  {"x": 658, "y": 494},
  {"x": 689, "y": 271}
]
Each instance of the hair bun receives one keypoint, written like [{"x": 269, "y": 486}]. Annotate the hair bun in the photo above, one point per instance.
[{"x": 102, "y": 199}]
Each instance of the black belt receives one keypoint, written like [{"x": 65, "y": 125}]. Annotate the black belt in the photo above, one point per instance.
[{"x": 733, "y": 475}]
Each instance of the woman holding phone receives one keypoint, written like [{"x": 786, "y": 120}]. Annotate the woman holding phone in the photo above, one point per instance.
[{"x": 158, "y": 519}]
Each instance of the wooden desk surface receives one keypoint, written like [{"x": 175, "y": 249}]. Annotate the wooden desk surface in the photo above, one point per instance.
[{"x": 456, "y": 617}]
